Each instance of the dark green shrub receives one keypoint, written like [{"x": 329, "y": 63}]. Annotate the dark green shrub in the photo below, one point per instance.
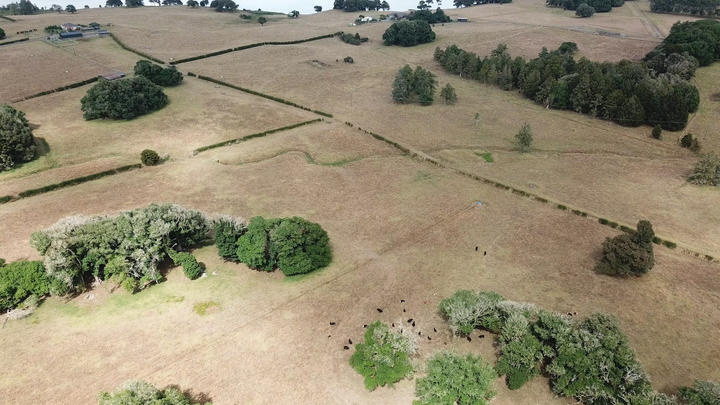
[
  {"x": 349, "y": 59},
  {"x": 454, "y": 379},
  {"x": 144, "y": 393},
  {"x": 384, "y": 357},
  {"x": 17, "y": 144},
  {"x": 299, "y": 246},
  {"x": 227, "y": 232},
  {"x": 190, "y": 265},
  {"x": 701, "y": 393},
  {"x": 254, "y": 246},
  {"x": 657, "y": 132},
  {"x": 669, "y": 244},
  {"x": 584, "y": 10},
  {"x": 448, "y": 94},
  {"x": 122, "y": 99},
  {"x": 53, "y": 29},
  {"x": 19, "y": 280},
  {"x": 688, "y": 141},
  {"x": 562, "y": 207},
  {"x": 149, "y": 157},
  {"x": 157, "y": 74},
  {"x": 628, "y": 254},
  {"x": 353, "y": 39},
  {"x": 603, "y": 221},
  {"x": 408, "y": 33},
  {"x": 521, "y": 352}
]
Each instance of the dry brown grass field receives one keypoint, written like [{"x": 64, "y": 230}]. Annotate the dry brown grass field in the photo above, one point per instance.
[{"x": 400, "y": 228}]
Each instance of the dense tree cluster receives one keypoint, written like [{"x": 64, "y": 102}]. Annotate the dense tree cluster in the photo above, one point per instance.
[
  {"x": 157, "y": 74},
  {"x": 294, "y": 245},
  {"x": 19, "y": 280},
  {"x": 468, "y": 3},
  {"x": 227, "y": 232},
  {"x": 437, "y": 17},
  {"x": 584, "y": 10},
  {"x": 699, "y": 39},
  {"x": 17, "y": 144},
  {"x": 693, "y": 7},
  {"x": 23, "y": 7},
  {"x": 414, "y": 86},
  {"x": 126, "y": 248},
  {"x": 144, "y": 393},
  {"x": 223, "y": 5},
  {"x": 122, "y": 99},
  {"x": 409, "y": 33},
  {"x": 448, "y": 95},
  {"x": 589, "y": 360},
  {"x": 628, "y": 93},
  {"x": 627, "y": 255},
  {"x": 600, "y": 6},
  {"x": 384, "y": 357},
  {"x": 361, "y": 5}
]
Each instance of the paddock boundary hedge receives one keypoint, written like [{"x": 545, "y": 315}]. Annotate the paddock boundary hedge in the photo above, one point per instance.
[
  {"x": 4, "y": 17},
  {"x": 69, "y": 183},
  {"x": 133, "y": 50},
  {"x": 257, "y": 93},
  {"x": 255, "y": 45},
  {"x": 14, "y": 41},
  {"x": 59, "y": 89},
  {"x": 428, "y": 159},
  {"x": 257, "y": 135}
]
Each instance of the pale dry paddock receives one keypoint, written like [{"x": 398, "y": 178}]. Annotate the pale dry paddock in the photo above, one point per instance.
[{"x": 400, "y": 228}]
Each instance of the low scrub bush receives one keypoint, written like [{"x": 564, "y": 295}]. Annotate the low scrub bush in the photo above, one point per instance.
[
  {"x": 157, "y": 74},
  {"x": 706, "y": 171},
  {"x": 17, "y": 143},
  {"x": 628, "y": 254},
  {"x": 688, "y": 141},
  {"x": 122, "y": 99},
  {"x": 669, "y": 244},
  {"x": 348, "y": 59},
  {"x": 127, "y": 247},
  {"x": 227, "y": 232},
  {"x": 144, "y": 393},
  {"x": 19, "y": 280},
  {"x": 191, "y": 268},
  {"x": 384, "y": 357},
  {"x": 149, "y": 157},
  {"x": 352, "y": 39},
  {"x": 454, "y": 379},
  {"x": 293, "y": 245},
  {"x": 657, "y": 132}
]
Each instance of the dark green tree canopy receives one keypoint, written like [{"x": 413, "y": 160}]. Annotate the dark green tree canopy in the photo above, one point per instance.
[
  {"x": 122, "y": 99},
  {"x": 157, "y": 74},
  {"x": 23, "y": 7},
  {"x": 584, "y": 10},
  {"x": 134, "y": 3},
  {"x": 409, "y": 33},
  {"x": 626, "y": 255},
  {"x": 361, "y": 5},
  {"x": 223, "y": 5},
  {"x": 17, "y": 144},
  {"x": 2, "y": 34},
  {"x": 414, "y": 85}
]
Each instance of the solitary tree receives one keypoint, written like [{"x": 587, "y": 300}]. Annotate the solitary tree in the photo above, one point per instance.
[
  {"x": 626, "y": 254},
  {"x": 71, "y": 9},
  {"x": 294, "y": 14},
  {"x": 262, "y": 20},
  {"x": 448, "y": 94},
  {"x": 318, "y": 9},
  {"x": 17, "y": 144},
  {"x": 657, "y": 132},
  {"x": 523, "y": 139}
]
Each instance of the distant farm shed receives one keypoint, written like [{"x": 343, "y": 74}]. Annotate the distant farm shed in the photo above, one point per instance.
[
  {"x": 75, "y": 34},
  {"x": 113, "y": 76}
]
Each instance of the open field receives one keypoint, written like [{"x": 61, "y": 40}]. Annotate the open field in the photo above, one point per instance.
[{"x": 400, "y": 228}]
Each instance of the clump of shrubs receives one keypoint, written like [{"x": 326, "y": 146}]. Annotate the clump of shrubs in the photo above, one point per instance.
[
  {"x": 454, "y": 379},
  {"x": 414, "y": 85},
  {"x": 657, "y": 132},
  {"x": 447, "y": 94},
  {"x": 191, "y": 268},
  {"x": 688, "y": 141},
  {"x": 349, "y": 59},
  {"x": 384, "y": 357},
  {"x": 144, "y": 393},
  {"x": 19, "y": 280},
  {"x": 590, "y": 360},
  {"x": 629, "y": 254},
  {"x": 2, "y": 33},
  {"x": 584, "y": 10},
  {"x": 149, "y": 157},
  {"x": 157, "y": 74},
  {"x": 126, "y": 248},
  {"x": 706, "y": 171},
  {"x": 227, "y": 232},
  {"x": 122, "y": 99},
  {"x": 353, "y": 39},
  {"x": 17, "y": 144},
  {"x": 409, "y": 33},
  {"x": 294, "y": 245}
]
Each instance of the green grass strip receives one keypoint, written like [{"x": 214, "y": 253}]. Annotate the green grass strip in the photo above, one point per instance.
[
  {"x": 78, "y": 180},
  {"x": 14, "y": 41},
  {"x": 258, "y": 135},
  {"x": 135, "y": 51},
  {"x": 257, "y": 93},
  {"x": 244, "y": 47}
]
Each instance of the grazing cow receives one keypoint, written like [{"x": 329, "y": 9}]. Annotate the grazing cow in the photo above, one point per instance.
[
  {"x": 379, "y": 310},
  {"x": 346, "y": 348},
  {"x": 332, "y": 323},
  {"x": 469, "y": 339}
]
